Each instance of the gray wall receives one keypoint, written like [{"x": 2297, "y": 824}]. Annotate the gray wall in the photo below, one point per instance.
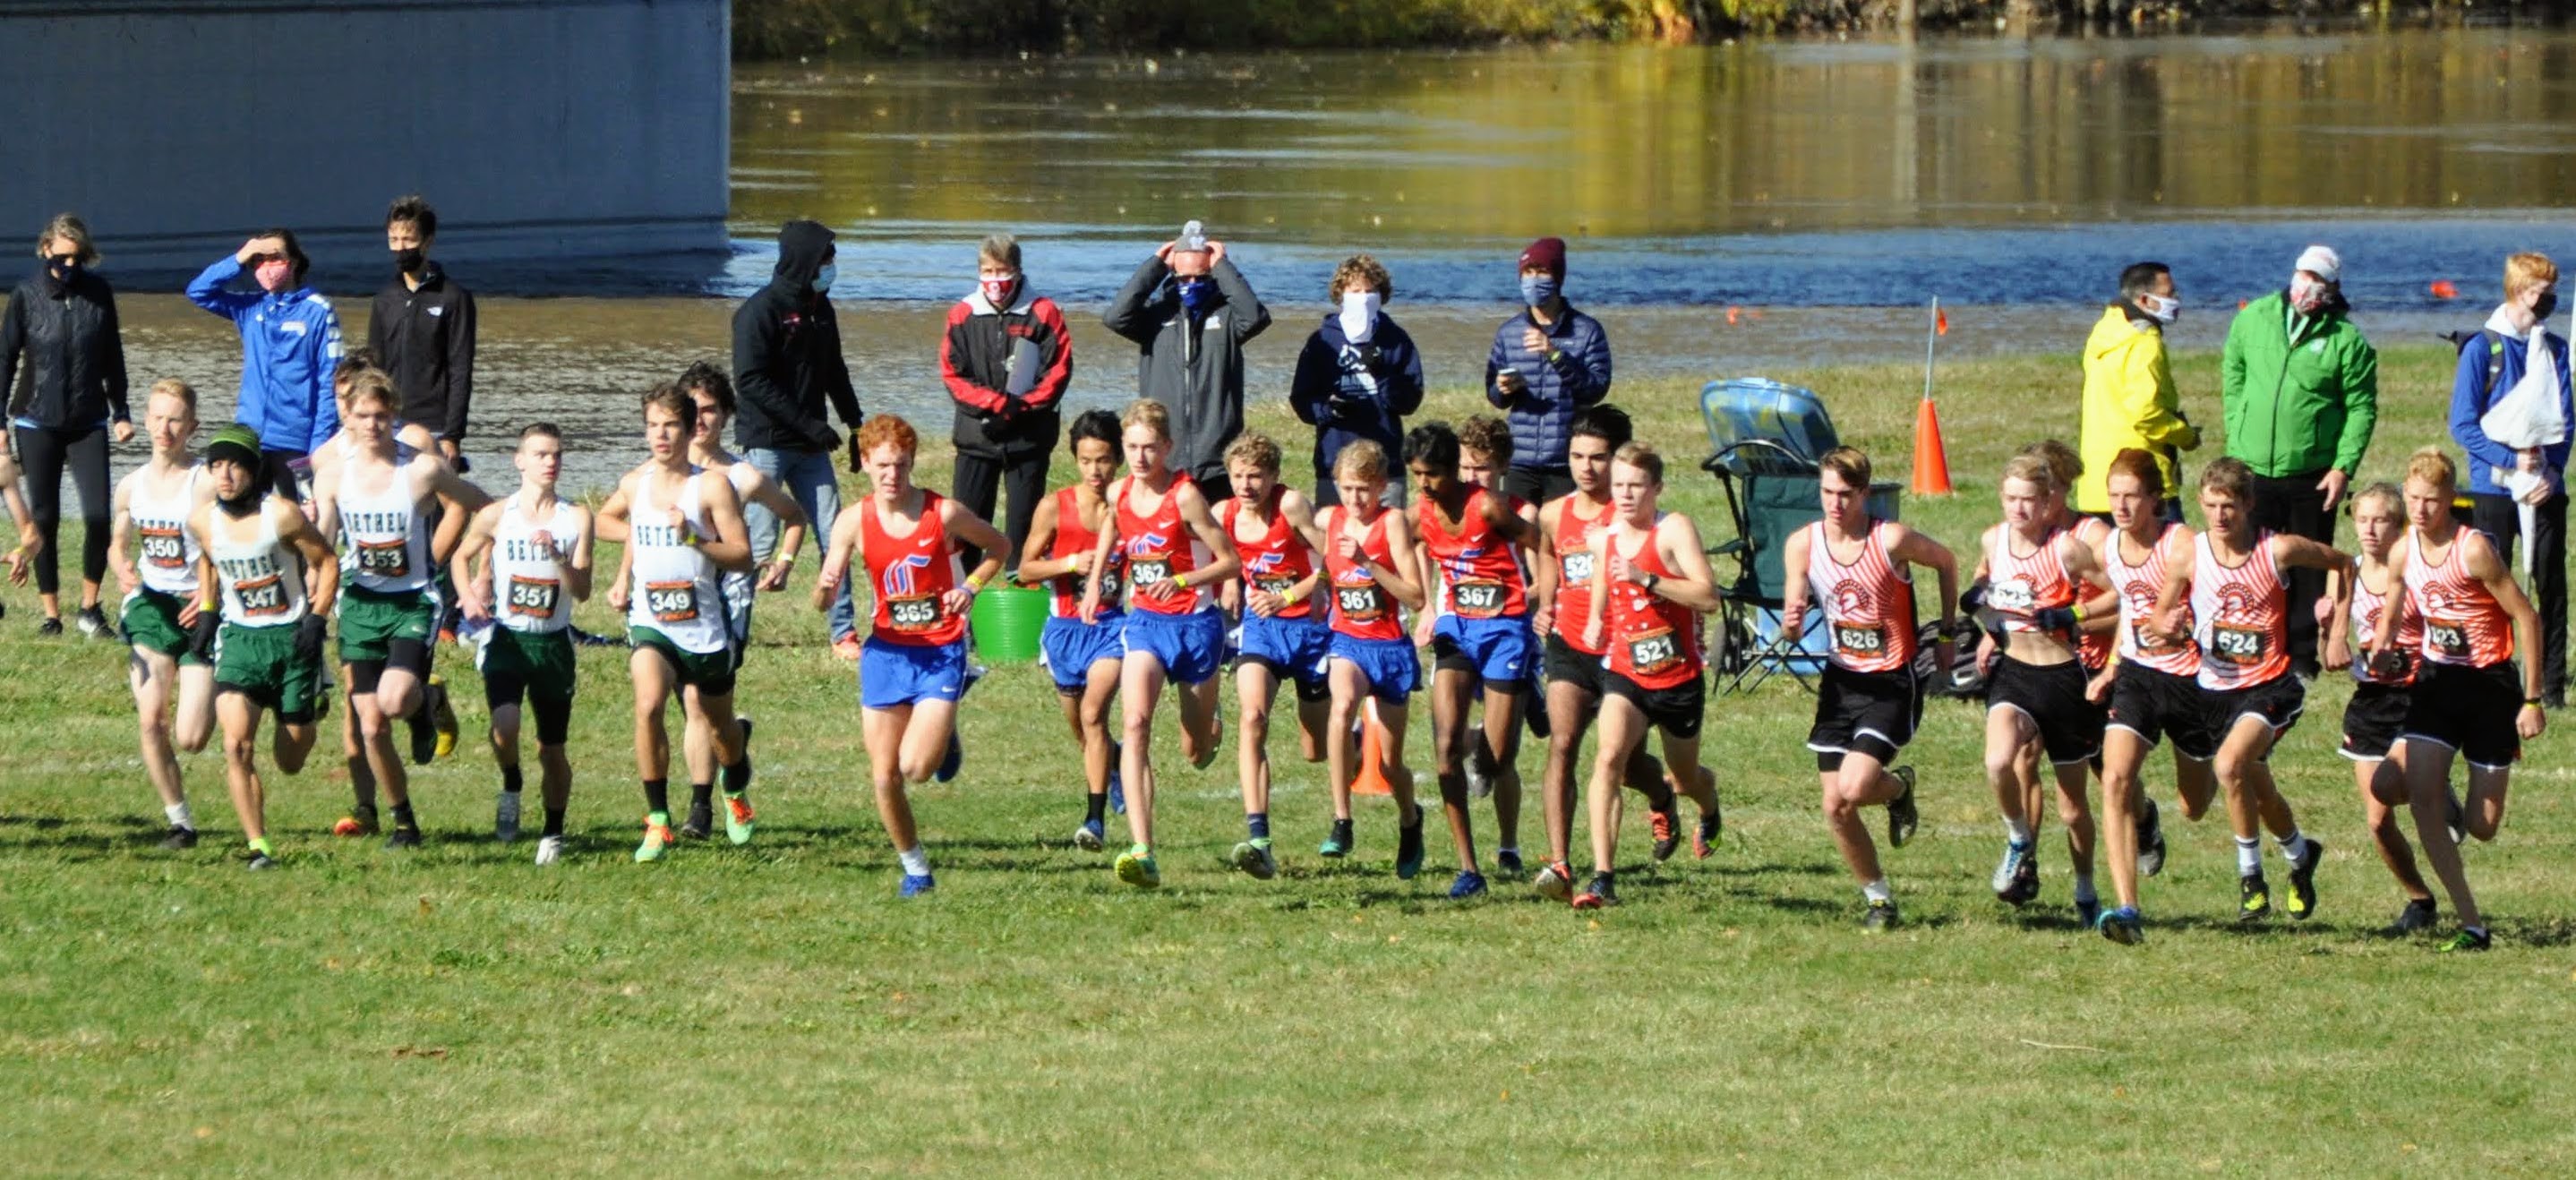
[{"x": 539, "y": 128}]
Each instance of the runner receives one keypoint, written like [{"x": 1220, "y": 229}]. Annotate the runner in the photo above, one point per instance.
[
  {"x": 709, "y": 388},
  {"x": 2152, "y": 687},
  {"x": 1574, "y": 664},
  {"x": 1484, "y": 459},
  {"x": 527, "y": 560},
  {"x": 684, "y": 529},
  {"x": 1083, "y": 657},
  {"x": 1480, "y": 633},
  {"x": 2097, "y": 621},
  {"x": 255, "y": 549},
  {"x": 153, "y": 504},
  {"x": 1368, "y": 559},
  {"x": 375, "y": 500},
  {"x": 1655, "y": 585},
  {"x": 1175, "y": 557},
  {"x": 912, "y": 668},
  {"x": 2234, "y": 580},
  {"x": 1284, "y": 638},
  {"x": 1858, "y": 568},
  {"x": 2383, "y": 693},
  {"x": 2459, "y": 586}
]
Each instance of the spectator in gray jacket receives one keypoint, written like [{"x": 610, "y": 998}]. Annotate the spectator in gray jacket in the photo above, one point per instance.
[
  {"x": 1190, "y": 313},
  {"x": 1548, "y": 362}
]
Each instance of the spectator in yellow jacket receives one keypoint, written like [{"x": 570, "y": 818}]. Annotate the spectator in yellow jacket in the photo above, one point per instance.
[{"x": 2129, "y": 398}]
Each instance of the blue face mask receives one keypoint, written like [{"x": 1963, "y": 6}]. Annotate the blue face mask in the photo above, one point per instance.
[
  {"x": 823, "y": 278},
  {"x": 1537, "y": 290},
  {"x": 1197, "y": 294}
]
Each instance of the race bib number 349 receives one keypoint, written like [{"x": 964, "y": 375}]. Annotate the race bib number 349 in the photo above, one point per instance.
[{"x": 672, "y": 602}]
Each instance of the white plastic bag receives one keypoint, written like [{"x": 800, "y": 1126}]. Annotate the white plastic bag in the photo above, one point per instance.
[{"x": 2528, "y": 415}]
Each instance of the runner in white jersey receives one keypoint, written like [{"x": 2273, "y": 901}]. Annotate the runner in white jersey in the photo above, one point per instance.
[
  {"x": 375, "y": 500},
  {"x": 684, "y": 528},
  {"x": 150, "y": 522},
  {"x": 257, "y": 549},
  {"x": 527, "y": 560}
]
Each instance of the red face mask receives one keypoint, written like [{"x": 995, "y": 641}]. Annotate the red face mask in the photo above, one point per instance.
[{"x": 998, "y": 291}]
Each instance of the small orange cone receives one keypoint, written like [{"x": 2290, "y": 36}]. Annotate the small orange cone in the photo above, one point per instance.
[
  {"x": 1931, "y": 460},
  {"x": 1371, "y": 778},
  {"x": 2445, "y": 289},
  {"x": 1940, "y": 321}
]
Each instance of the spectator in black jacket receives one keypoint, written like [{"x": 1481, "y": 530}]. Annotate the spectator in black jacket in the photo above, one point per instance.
[
  {"x": 422, "y": 329},
  {"x": 787, "y": 374},
  {"x": 1358, "y": 375},
  {"x": 1190, "y": 313},
  {"x": 68, "y": 399},
  {"x": 1006, "y": 361}
]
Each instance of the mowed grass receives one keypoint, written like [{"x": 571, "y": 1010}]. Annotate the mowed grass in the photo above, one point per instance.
[{"x": 776, "y": 1009}]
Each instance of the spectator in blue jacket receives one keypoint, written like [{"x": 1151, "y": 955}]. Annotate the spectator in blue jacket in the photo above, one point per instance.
[
  {"x": 1548, "y": 362},
  {"x": 1358, "y": 376},
  {"x": 2491, "y": 364},
  {"x": 290, "y": 345}
]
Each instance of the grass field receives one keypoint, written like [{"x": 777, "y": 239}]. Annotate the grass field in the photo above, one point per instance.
[{"x": 775, "y": 1009}]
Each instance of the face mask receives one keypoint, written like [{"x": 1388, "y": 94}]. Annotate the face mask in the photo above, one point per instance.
[
  {"x": 409, "y": 260},
  {"x": 62, "y": 269},
  {"x": 1197, "y": 294},
  {"x": 2159, "y": 308},
  {"x": 2546, "y": 304},
  {"x": 1359, "y": 316},
  {"x": 823, "y": 278},
  {"x": 244, "y": 504},
  {"x": 2308, "y": 295},
  {"x": 1538, "y": 290},
  {"x": 998, "y": 291},
  {"x": 275, "y": 275}
]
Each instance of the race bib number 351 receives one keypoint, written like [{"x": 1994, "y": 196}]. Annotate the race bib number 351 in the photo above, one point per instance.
[{"x": 534, "y": 596}]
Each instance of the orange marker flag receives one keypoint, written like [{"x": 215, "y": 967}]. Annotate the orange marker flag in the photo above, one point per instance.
[
  {"x": 1732, "y": 313},
  {"x": 1940, "y": 322}
]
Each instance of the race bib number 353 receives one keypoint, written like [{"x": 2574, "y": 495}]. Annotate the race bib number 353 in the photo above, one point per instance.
[{"x": 384, "y": 559}]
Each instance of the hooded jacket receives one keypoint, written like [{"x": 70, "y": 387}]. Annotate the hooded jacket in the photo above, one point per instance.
[
  {"x": 75, "y": 354},
  {"x": 1349, "y": 393},
  {"x": 787, "y": 364},
  {"x": 425, "y": 339},
  {"x": 1191, "y": 362},
  {"x": 2298, "y": 404},
  {"x": 290, "y": 344},
  {"x": 2129, "y": 402},
  {"x": 975, "y": 362},
  {"x": 2472, "y": 395},
  {"x": 1575, "y": 373}
]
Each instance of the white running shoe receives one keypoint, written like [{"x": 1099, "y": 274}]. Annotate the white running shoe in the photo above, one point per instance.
[{"x": 549, "y": 849}]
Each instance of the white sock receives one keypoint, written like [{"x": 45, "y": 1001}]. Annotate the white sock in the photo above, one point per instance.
[
  {"x": 2084, "y": 888},
  {"x": 916, "y": 861},
  {"x": 2294, "y": 847},
  {"x": 2249, "y": 856},
  {"x": 2018, "y": 829},
  {"x": 178, "y": 813},
  {"x": 1877, "y": 891}
]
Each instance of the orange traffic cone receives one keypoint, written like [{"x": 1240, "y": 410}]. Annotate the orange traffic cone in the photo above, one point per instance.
[
  {"x": 1931, "y": 460},
  {"x": 1371, "y": 777}
]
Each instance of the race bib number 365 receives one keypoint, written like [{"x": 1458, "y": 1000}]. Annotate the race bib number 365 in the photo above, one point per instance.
[{"x": 913, "y": 614}]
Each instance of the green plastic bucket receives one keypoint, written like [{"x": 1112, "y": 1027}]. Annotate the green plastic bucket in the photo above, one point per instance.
[{"x": 1008, "y": 620}]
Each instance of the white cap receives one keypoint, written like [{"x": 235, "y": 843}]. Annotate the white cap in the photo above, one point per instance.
[{"x": 2322, "y": 262}]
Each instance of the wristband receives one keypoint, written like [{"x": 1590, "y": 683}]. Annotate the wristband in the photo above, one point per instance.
[
  {"x": 2531, "y": 702},
  {"x": 2078, "y": 608},
  {"x": 787, "y": 559},
  {"x": 1290, "y": 595},
  {"x": 974, "y": 585},
  {"x": 1181, "y": 580},
  {"x": 203, "y": 605}
]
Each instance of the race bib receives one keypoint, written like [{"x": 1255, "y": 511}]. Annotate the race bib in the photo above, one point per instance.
[
  {"x": 1653, "y": 652},
  {"x": 163, "y": 549},
  {"x": 1357, "y": 603},
  {"x": 2012, "y": 595},
  {"x": 384, "y": 559},
  {"x": 261, "y": 596},
  {"x": 534, "y": 596},
  {"x": 1146, "y": 571},
  {"x": 1860, "y": 642},
  {"x": 671, "y": 602},
  {"x": 918, "y": 613},
  {"x": 1110, "y": 585},
  {"x": 1278, "y": 586},
  {"x": 1476, "y": 600},
  {"x": 1577, "y": 567},
  {"x": 2241, "y": 646},
  {"x": 2447, "y": 638}
]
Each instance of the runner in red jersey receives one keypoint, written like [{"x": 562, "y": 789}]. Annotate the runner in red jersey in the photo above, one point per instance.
[
  {"x": 1176, "y": 557},
  {"x": 2375, "y": 719},
  {"x": 1283, "y": 637},
  {"x": 1369, "y": 569},
  {"x": 1654, "y": 583},
  {"x": 1857, "y": 568},
  {"x": 912, "y": 668},
  {"x": 2473, "y": 613},
  {"x": 2096, "y": 619},
  {"x": 1573, "y": 669},
  {"x": 1083, "y": 657}
]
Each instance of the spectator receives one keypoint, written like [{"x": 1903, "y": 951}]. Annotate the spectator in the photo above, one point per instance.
[
  {"x": 290, "y": 344},
  {"x": 787, "y": 369},
  {"x": 1190, "y": 313},
  {"x": 2299, "y": 389},
  {"x": 1358, "y": 375},
  {"x": 1549, "y": 361},
  {"x": 65, "y": 404},
  {"x": 1006, "y": 360},
  {"x": 2492, "y": 363},
  {"x": 2129, "y": 398},
  {"x": 422, "y": 329}
]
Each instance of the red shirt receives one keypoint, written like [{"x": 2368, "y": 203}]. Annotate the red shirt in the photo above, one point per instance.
[
  {"x": 1158, "y": 548},
  {"x": 911, "y": 574},
  {"x": 1574, "y": 572},
  {"x": 1072, "y": 538},
  {"x": 1653, "y": 640},
  {"x": 1279, "y": 560},
  {"x": 1361, "y": 608},
  {"x": 1480, "y": 575}
]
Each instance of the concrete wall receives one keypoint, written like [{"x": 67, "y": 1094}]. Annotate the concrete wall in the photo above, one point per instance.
[{"x": 539, "y": 128}]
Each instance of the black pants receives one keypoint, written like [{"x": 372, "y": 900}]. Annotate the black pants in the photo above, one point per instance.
[
  {"x": 281, "y": 477},
  {"x": 979, "y": 479},
  {"x": 44, "y": 453},
  {"x": 2292, "y": 504},
  {"x": 1538, "y": 485},
  {"x": 2500, "y": 520}
]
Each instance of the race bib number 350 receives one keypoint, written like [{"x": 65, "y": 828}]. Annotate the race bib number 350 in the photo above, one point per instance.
[
  {"x": 672, "y": 602},
  {"x": 162, "y": 548}
]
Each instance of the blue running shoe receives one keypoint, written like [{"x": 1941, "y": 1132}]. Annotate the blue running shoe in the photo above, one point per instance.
[
  {"x": 1470, "y": 883},
  {"x": 1117, "y": 786},
  {"x": 1408, "y": 848},
  {"x": 2121, "y": 926},
  {"x": 2017, "y": 876},
  {"x": 1090, "y": 837},
  {"x": 916, "y": 886},
  {"x": 2088, "y": 912}
]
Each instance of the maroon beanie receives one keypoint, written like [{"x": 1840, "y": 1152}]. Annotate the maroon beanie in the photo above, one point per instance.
[{"x": 1546, "y": 254}]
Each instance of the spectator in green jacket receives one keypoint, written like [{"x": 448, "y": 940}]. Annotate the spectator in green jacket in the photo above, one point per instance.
[{"x": 2300, "y": 391}]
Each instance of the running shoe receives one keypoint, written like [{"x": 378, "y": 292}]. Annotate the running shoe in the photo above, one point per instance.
[
  {"x": 737, "y": 818},
  {"x": 1704, "y": 841},
  {"x": 361, "y": 821},
  {"x": 954, "y": 760},
  {"x": 260, "y": 862},
  {"x": 424, "y": 736},
  {"x": 656, "y": 838},
  {"x": 1879, "y": 918},
  {"x": 1117, "y": 785},
  {"x": 549, "y": 849},
  {"x": 1597, "y": 895},
  {"x": 2088, "y": 912},
  {"x": 1090, "y": 837},
  {"x": 2468, "y": 940},
  {"x": 403, "y": 836},
  {"x": 1339, "y": 843},
  {"x": 505, "y": 817},
  {"x": 1666, "y": 826},
  {"x": 1137, "y": 869},
  {"x": 442, "y": 717},
  {"x": 2151, "y": 840},
  {"x": 2016, "y": 879},
  {"x": 701, "y": 822},
  {"x": 1507, "y": 863},
  {"x": 2419, "y": 916},
  {"x": 2121, "y": 926},
  {"x": 93, "y": 623},
  {"x": 1479, "y": 784},
  {"x": 916, "y": 885},
  {"x": 2303, "y": 881},
  {"x": 1408, "y": 847},
  {"x": 180, "y": 839},
  {"x": 2253, "y": 898},
  {"x": 847, "y": 648},
  {"x": 1255, "y": 860},
  {"x": 51, "y": 626},
  {"x": 1469, "y": 883},
  {"x": 1554, "y": 882},
  {"x": 1902, "y": 818}
]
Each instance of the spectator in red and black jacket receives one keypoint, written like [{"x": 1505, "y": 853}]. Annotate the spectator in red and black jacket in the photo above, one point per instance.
[{"x": 1006, "y": 360}]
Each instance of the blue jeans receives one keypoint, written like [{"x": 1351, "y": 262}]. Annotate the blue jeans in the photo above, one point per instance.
[{"x": 809, "y": 479}]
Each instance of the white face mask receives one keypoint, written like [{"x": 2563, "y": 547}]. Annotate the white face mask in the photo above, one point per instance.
[
  {"x": 1359, "y": 315},
  {"x": 2159, "y": 308}
]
